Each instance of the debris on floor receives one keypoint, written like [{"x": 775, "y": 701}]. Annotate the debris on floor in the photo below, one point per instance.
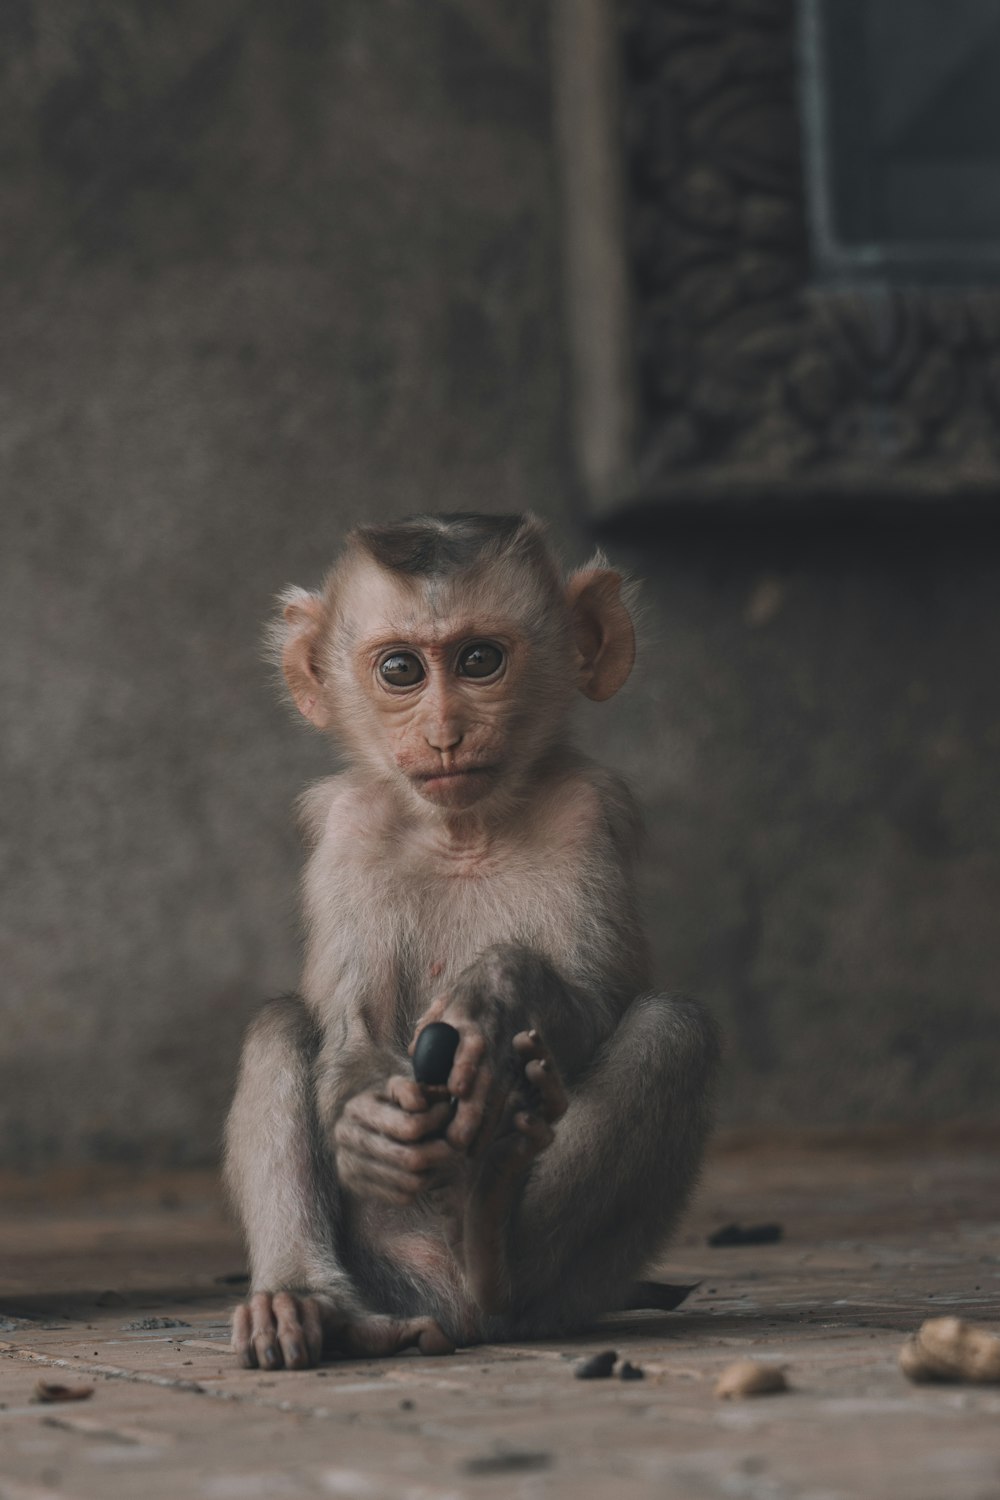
[
  {"x": 147, "y": 1325},
  {"x": 746, "y": 1234},
  {"x": 47, "y": 1392},
  {"x": 508, "y": 1461},
  {"x": 749, "y": 1377},
  {"x": 596, "y": 1366},
  {"x": 951, "y": 1349}
]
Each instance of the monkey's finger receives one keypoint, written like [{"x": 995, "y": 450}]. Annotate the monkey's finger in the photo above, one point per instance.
[
  {"x": 529, "y": 1044},
  {"x": 370, "y": 1113},
  {"x": 291, "y": 1334},
  {"x": 536, "y": 1133},
  {"x": 470, "y": 1112},
  {"x": 433, "y": 1013},
  {"x": 265, "y": 1340},
  {"x": 407, "y": 1128},
  {"x": 404, "y": 1093},
  {"x": 368, "y": 1177},
  {"x": 242, "y": 1335},
  {"x": 552, "y": 1100},
  {"x": 410, "y": 1156},
  {"x": 468, "y": 1056},
  {"x": 312, "y": 1327}
]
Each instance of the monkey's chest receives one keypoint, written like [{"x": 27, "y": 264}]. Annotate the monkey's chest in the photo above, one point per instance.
[
  {"x": 395, "y": 934},
  {"x": 447, "y": 922}
]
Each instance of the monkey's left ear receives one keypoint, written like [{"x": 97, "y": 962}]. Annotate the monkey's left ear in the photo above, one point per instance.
[{"x": 602, "y": 629}]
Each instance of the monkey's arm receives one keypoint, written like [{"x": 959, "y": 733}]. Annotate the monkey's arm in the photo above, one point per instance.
[{"x": 302, "y": 1297}]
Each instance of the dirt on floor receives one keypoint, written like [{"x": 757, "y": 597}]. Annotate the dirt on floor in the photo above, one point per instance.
[{"x": 122, "y": 1284}]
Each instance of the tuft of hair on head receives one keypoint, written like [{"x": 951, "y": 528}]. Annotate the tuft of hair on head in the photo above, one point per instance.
[{"x": 436, "y": 546}]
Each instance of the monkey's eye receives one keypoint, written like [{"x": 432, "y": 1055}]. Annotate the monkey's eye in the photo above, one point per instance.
[
  {"x": 481, "y": 659},
  {"x": 401, "y": 669}
]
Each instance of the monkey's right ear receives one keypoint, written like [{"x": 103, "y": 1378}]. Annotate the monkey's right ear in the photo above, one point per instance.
[{"x": 305, "y": 616}]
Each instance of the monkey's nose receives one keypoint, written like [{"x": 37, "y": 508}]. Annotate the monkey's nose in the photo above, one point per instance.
[{"x": 444, "y": 738}]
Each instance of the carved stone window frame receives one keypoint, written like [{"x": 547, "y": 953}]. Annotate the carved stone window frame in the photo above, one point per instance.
[{"x": 708, "y": 365}]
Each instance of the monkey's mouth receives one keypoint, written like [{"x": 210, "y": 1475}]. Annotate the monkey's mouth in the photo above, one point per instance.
[
  {"x": 461, "y": 783},
  {"x": 463, "y": 773}
]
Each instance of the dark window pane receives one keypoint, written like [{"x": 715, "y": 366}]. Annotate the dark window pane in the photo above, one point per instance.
[{"x": 902, "y": 108}]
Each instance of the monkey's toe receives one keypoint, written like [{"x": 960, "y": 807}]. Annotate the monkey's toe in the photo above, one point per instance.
[
  {"x": 378, "y": 1337},
  {"x": 540, "y": 1071}
]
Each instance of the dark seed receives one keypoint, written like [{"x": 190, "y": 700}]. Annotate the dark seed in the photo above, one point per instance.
[
  {"x": 746, "y": 1234},
  {"x": 596, "y": 1366},
  {"x": 434, "y": 1053},
  {"x": 630, "y": 1372}
]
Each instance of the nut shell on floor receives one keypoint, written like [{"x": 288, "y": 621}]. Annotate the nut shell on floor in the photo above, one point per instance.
[
  {"x": 951, "y": 1349},
  {"x": 747, "y": 1377}
]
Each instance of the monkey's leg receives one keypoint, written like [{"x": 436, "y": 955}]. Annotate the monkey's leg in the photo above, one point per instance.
[
  {"x": 521, "y": 1130},
  {"x": 302, "y": 1302},
  {"x": 600, "y": 1200}
]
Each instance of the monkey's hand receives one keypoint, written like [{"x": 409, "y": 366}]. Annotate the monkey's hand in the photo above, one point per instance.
[
  {"x": 388, "y": 1143},
  {"x": 482, "y": 1073},
  {"x": 500, "y": 1086}
]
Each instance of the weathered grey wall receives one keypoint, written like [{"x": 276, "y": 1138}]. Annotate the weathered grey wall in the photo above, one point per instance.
[
  {"x": 266, "y": 268},
  {"x": 270, "y": 268},
  {"x": 818, "y": 742}
]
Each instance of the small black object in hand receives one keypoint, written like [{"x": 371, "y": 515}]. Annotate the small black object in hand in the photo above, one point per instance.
[{"x": 434, "y": 1053}]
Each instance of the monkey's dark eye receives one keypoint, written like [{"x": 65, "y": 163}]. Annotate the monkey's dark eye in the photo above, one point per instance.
[
  {"x": 401, "y": 669},
  {"x": 480, "y": 660}
]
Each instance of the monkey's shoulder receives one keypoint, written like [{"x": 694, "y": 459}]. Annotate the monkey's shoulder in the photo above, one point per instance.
[
  {"x": 592, "y": 804},
  {"x": 338, "y": 808}
]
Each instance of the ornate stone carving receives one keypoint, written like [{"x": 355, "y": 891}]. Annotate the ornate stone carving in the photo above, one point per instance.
[{"x": 749, "y": 378}]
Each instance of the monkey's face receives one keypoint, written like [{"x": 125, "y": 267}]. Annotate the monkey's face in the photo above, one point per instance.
[
  {"x": 454, "y": 683},
  {"x": 452, "y": 689}
]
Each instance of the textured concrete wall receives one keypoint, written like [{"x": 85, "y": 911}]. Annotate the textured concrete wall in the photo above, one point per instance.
[
  {"x": 270, "y": 268},
  {"x": 817, "y": 740},
  {"x": 265, "y": 269}
]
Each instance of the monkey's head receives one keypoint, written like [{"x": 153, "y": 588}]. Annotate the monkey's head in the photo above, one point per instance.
[{"x": 445, "y": 651}]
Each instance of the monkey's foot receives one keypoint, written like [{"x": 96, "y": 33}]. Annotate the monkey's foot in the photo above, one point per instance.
[
  {"x": 538, "y": 1102},
  {"x": 275, "y": 1331}
]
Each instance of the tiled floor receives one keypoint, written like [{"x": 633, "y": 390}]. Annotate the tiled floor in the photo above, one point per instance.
[{"x": 876, "y": 1238}]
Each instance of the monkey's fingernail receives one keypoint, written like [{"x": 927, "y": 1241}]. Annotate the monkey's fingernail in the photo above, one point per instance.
[
  {"x": 543, "y": 1066},
  {"x": 534, "y": 1035},
  {"x": 294, "y": 1354},
  {"x": 271, "y": 1357}
]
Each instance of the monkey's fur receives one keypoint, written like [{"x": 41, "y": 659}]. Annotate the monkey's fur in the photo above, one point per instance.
[{"x": 469, "y": 866}]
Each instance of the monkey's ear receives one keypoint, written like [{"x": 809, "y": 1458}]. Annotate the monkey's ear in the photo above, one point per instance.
[
  {"x": 602, "y": 629},
  {"x": 304, "y": 615}
]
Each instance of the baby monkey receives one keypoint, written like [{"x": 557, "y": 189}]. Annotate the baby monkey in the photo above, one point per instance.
[{"x": 469, "y": 867}]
